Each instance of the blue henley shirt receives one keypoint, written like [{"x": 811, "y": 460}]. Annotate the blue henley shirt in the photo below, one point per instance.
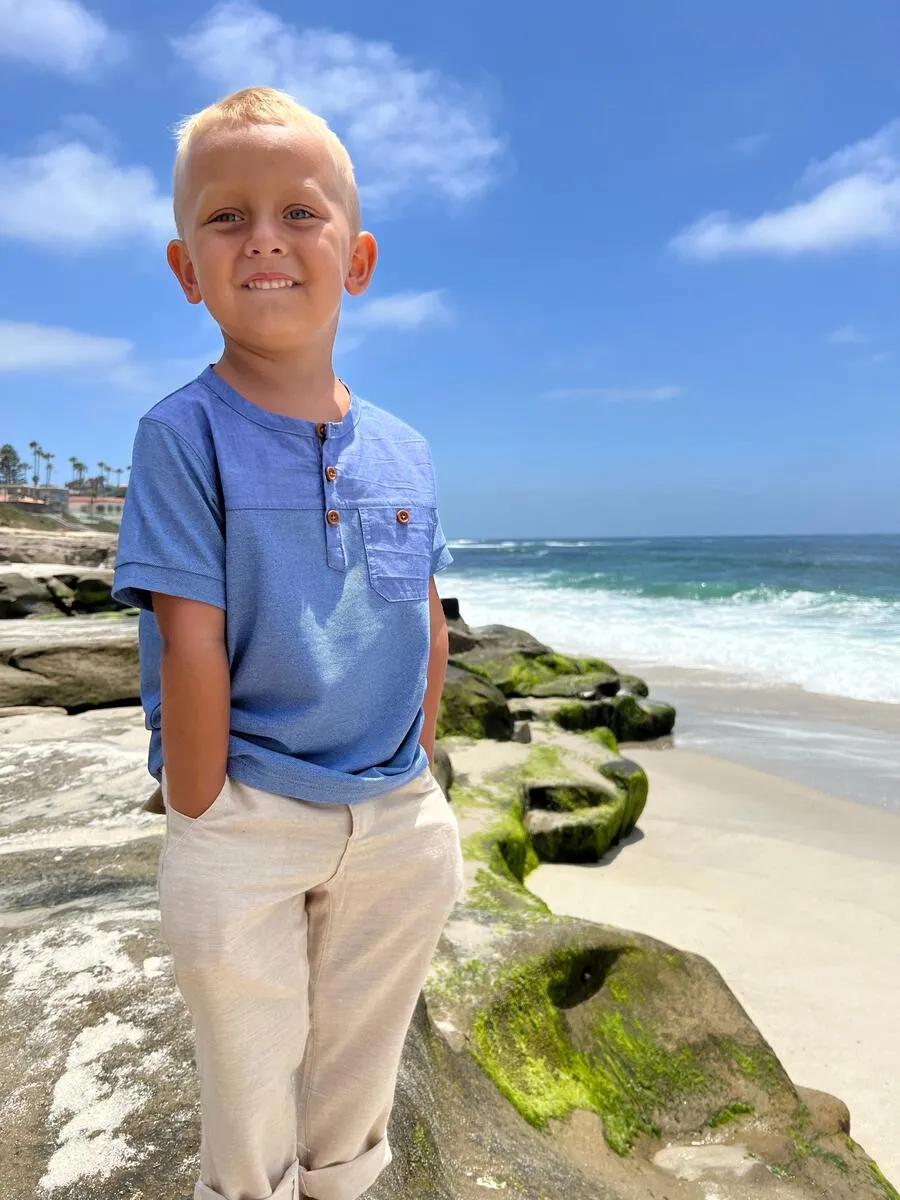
[{"x": 319, "y": 542}]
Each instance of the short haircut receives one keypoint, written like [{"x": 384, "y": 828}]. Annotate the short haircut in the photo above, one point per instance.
[{"x": 266, "y": 106}]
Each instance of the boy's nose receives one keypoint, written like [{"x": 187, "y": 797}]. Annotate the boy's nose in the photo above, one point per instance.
[{"x": 263, "y": 241}]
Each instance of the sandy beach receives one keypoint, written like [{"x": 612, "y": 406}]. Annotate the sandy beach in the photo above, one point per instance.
[{"x": 793, "y": 894}]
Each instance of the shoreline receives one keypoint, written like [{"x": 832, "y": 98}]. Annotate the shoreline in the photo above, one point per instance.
[
  {"x": 791, "y": 893},
  {"x": 840, "y": 746}
]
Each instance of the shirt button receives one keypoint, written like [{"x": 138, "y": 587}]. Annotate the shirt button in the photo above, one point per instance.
[
  {"x": 333, "y": 517},
  {"x": 322, "y": 430},
  {"x": 331, "y": 474},
  {"x": 403, "y": 516}
]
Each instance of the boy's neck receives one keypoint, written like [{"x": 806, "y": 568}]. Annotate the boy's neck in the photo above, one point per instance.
[{"x": 303, "y": 386}]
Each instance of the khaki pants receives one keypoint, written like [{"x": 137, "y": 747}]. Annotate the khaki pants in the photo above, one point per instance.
[{"x": 301, "y": 935}]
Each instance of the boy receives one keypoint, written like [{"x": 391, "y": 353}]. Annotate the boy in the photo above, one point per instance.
[{"x": 281, "y": 535}]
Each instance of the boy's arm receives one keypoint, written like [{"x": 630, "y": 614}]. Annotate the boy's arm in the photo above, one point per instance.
[
  {"x": 437, "y": 669},
  {"x": 196, "y": 701}
]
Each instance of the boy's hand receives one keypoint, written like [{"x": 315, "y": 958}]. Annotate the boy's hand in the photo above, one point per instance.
[
  {"x": 437, "y": 669},
  {"x": 196, "y": 702}
]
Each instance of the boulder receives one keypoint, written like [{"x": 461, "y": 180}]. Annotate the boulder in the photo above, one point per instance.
[
  {"x": 21, "y": 596},
  {"x": 590, "y": 686},
  {"x": 74, "y": 675},
  {"x": 79, "y": 547},
  {"x": 92, "y": 593},
  {"x": 631, "y": 718},
  {"x": 473, "y": 707},
  {"x": 517, "y": 672}
]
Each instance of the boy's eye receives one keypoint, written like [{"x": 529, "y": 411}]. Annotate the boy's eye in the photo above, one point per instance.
[
  {"x": 299, "y": 213},
  {"x": 224, "y": 216}
]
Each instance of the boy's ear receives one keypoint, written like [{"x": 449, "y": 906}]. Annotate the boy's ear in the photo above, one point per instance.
[
  {"x": 179, "y": 259},
  {"x": 362, "y": 264}
]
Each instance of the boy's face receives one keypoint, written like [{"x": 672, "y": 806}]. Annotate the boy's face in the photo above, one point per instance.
[{"x": 263, "y": 205}]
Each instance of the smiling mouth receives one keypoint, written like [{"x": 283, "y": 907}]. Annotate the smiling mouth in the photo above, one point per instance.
[{"x": 268, "y": 285}]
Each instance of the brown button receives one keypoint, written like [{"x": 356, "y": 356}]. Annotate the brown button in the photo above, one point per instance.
[
  {"x": 331, "y": 474},
  {"x": 321, "y": 430},
  {"x": 333, "y": 517},
  {"x": 402, "y": 516}
]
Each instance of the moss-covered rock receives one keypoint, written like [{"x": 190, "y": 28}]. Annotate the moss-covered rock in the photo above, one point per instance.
[
  {"x": 519, "y": 672},
  {"x": 631, "y": 718},
  {"x": 581, "y": 835},
  {"x": 472, "y": 707},
  {"x": 633, "y": 684},
  {"x": 590, "y": 686}
]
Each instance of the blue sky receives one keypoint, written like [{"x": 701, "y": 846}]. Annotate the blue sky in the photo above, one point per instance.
[{"x": 639, "y": 261}]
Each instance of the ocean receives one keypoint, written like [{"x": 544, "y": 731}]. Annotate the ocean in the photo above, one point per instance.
[
  {"x": 766, "y": 645},
  {"x": 819, "y": 613}
]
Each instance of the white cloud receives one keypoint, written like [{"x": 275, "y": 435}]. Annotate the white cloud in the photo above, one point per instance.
[
  {"x": 751, "y": 145},
  {"x": 875, "y": 360},
  {"x": 400, "y": 313},
  {"x": 39, "y": 349},
  {"x": 858, "y": 203},
  {"x": 403, "y": 311},
  {"x": 847, "y": 335},
  {"x": 32, "y": 349},
  {"x": 61, "y": 35},
  {"x": 616, "y": 395},
  {"x": 73, "y": 197},
  {"x": 408, "y": 129}
]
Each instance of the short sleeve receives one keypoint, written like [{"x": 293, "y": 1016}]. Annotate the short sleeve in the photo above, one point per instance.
[
  {"x": 441, "y": 557},
  {"x": 172, "y": 535}
]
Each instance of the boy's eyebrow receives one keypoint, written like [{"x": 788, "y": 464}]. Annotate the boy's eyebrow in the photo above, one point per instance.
[{"x": 216, "y": 188}]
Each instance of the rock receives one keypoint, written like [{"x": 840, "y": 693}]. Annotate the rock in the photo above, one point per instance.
[
  {"x": 633, "y": 684},
  {"x": 23, "y": 597},
  {"x": 639, "y": 720},
  {"x": 517, "y": 672},
  {"x": 522, "y": 732},
  {"x": 521, "y": 709},
  {"x": 827, "y": 1114},
  {"x": 569, "y": 795},
  {"x": 74, "y": 676},
  {"x": 461, "y": 638},
  {"x": 585, "y": 687},
  {"x": 505, "y": 639},
  {"x": 86, "y": 547},
  {"x": 443, "y": 768},
  {"x": 582, "y": 835},
  {"x": 631, "y": 718},
  {"x": 450, "y": 606},
  {"x": 93, "y": 593},
  {"x": 529, "y": 1026},
  {"x": 472, "y": 707}
]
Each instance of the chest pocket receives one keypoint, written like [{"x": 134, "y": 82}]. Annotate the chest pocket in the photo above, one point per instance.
[{"x": 398, "y": 544}]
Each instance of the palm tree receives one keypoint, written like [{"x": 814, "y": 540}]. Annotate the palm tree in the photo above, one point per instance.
[
  {"x": 73, "y": 463},
  {"x": 48, "y": 459},
  {"x": 103, "y": 469},
  {"x": 80, "y": 469},
  {"x": 118, "y": 472},
  {"x": 38, "y": 453}
]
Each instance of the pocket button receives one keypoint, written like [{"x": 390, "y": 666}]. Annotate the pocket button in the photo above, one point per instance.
[{"x": 402, "y": 516}]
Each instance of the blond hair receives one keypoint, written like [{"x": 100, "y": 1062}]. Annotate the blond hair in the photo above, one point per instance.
[{"x": 265, "y": 106}]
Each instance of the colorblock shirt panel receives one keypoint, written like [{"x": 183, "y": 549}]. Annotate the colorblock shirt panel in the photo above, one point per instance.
[{"x": 319, "y": 542}]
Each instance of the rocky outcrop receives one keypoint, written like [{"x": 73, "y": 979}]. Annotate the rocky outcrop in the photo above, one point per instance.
[
  {"x": 534, "y": 679},
  {"x": 74, "y": 675},
  {"x": 473, "y": 707},
  {"x": 44, "y": 590},
  {"x": 83, "y": 548},
  {"x": 547, "y": 1056}
]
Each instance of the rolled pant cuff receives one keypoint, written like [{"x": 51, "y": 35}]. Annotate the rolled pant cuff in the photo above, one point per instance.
[
  {"x": 288, "y": 1188},
  {"x": 346, "y": 1181}
]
